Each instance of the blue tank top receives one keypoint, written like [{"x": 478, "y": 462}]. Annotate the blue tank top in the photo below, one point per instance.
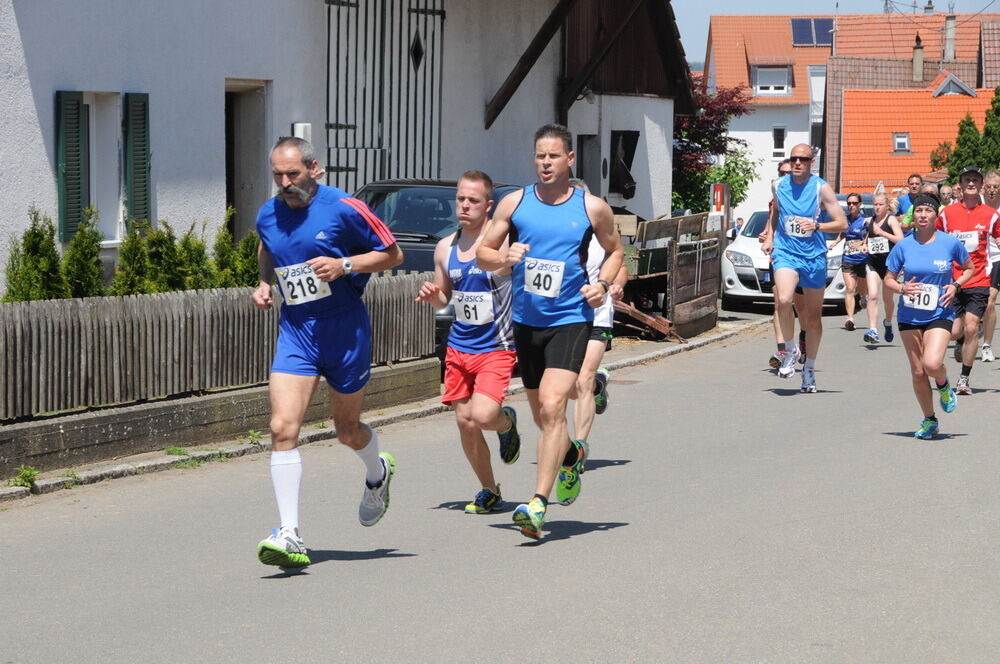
[
  {"x": 797, "y": 202},
  {"x": 482, "y": 307},
  {"x": 854, "y": 239},
  {"x": 547, "y": 282}
]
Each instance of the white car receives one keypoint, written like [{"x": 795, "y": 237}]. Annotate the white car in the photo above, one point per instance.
[{"x": 746, "y": 269}]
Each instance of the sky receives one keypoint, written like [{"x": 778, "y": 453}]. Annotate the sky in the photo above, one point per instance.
[{"x": 692, "y": 15}]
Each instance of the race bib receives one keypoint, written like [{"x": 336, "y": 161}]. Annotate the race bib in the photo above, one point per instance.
[
  {"x": 543, "y": 277},
  {"x": 878, "y": 245},
  {"x": 473, "y": 308},
  {"x": 299, "y": 284},
  {"x": 970, "y": 239},
  {"x": 793, "y": 226},
  {"x": 926, "y": 299},
  {"x": 852, "y": 247}
]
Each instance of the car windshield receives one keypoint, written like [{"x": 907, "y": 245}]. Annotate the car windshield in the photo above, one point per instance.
[
  {"x": 755, "y": 225},
  {"x": 422, "y": 210}
]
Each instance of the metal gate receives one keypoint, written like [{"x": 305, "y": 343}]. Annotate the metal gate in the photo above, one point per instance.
[{"x": 384, "y": 90}]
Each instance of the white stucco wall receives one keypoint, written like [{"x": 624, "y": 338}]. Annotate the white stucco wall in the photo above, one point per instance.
[
  {"x": 478, "y": 58},
  {"x": 179, "y": 52},
  {"x": 755, "y": 129}
]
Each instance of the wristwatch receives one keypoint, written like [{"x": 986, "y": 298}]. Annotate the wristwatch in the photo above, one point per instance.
[
  {"x": 956, "y": 285},
  {"x": 347, "y": 265},
  {"x": 607, "y": 286}
]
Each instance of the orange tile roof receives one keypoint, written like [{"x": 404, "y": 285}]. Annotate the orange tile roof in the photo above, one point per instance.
[
  {"x": 737, "y": 41},
  {"x": 867, "y": 135},
  {"x": 892, "y": 35}
]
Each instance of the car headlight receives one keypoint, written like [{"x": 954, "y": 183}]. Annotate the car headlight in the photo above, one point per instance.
[
  {"x": 736, "y": 258},
  {"x": 834, "y": 262}
]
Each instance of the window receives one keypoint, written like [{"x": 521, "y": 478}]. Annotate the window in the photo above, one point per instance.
[
  {"x": 778, "y": 135},
  {"x": 623, "y": 147},
  {"x": 102, "y": 149},
  {"x": 901, "y": 142},
  {"x": 772, "y": 80},
  {"x": 812, "y": 31}
]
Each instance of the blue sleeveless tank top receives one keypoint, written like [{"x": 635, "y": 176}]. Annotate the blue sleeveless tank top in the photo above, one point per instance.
[
  {"x": 798, "y": 202},
  {"x": 548, "y": 280},
  {"x": 854, "y": 236},
  {"x": 482, "y": 307}
]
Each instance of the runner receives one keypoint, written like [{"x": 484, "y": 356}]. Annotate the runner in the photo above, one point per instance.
[
  {"x": 550, "y": 224},
  {"x": 784, "y": 168},
  {"x": 593, "y": 379},
  {"x": 799, "y": 249},
  {"x": 884, "y": 232},
  {"x": 991, "y": 196},
  {"x": 913, "y": 185},
  {"x": 854, "y": 264},
  {"x": 321, "y": 244},
  {"x": 925, "y": 305},
  {"x": 480, "y": 355},
  {"x": 974, "y": 223}
]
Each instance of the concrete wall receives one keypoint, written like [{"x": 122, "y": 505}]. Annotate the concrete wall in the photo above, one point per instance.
[
  {"x": 755, "y": 129},
  {"x": 179, "y": 52}
]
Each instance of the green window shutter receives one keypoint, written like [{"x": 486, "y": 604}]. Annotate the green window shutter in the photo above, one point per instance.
[
  {"x": 73, "y": 160},
  {"x": 136, "y": 129}
]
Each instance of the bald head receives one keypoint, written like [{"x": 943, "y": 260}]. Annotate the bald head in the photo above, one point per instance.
[{"x": 801, "y": 159}]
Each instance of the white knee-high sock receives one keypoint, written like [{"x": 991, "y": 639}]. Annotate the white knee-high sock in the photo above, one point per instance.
[
  {"x": 286, "y": 476},
  {"x": 374, "y": 472}
]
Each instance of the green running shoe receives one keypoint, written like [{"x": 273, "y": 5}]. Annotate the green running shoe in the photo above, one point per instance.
[
  {"x": 485, "y": 501},
  {"x": 568, "y": 482},
  {"x": 948, "y": 400},
  {"x": 283, "y": 548},
  {"x": 927, "y": 429},
  {"x": 510, "y": 440},
  {"x": 530, "y": 517},
  {"x": 601, "y": 379}
]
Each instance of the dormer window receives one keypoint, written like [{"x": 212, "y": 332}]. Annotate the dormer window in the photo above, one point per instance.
[
  {"x": 901, "y": 142},
  {"x": 772, "y": 80}
]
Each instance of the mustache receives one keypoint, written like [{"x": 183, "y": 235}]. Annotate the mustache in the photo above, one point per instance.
[{"x": 303, "y": 194}]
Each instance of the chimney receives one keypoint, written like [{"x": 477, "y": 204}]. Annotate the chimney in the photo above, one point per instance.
[
  {"x": 918, "y": 59},
  {"x": 929, "y": 8},
  {"x": 949, "y": 37}
]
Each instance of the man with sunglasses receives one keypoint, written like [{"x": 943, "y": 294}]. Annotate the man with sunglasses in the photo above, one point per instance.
[{"x": 799, "y": 251}]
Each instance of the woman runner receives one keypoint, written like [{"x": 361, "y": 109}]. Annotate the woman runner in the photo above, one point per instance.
[
  {"x": 925, "y": 304},
  {"x": 854, "y": 263},
  {"x": 884, "y": 232}
]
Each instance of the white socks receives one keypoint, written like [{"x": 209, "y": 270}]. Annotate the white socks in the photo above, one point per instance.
[
  {"x": 286, "y": 475},
  {"x": 374, "y": 471}
]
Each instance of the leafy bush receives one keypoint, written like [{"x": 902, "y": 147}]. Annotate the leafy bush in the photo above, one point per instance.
[
  {"x": 34, "y": 271},
  {"x": 226, "y": 259},
  {"x": 82, "y": 261},
  {"x": 195, "y": 268},
  {"x": 164, "y": 259},
  {"x": 132, "y": 274},
  {"x": 248, "y": 272}
]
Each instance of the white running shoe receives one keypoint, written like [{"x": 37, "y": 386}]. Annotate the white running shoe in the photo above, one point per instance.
[
  {"x": 787, "y": 367},
  {"x": 375, "y": 499},
  {"x": 987, "y": 353},
  {"x": 962, "y": 386},
  {"x": 284, "y": 548},
  {"x": 808, "y": 380}
]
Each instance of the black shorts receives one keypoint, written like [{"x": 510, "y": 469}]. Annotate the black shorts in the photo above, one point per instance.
[
  {"x": 859, "y": 270},
  {"x": 995, "y": 276},
  {"x": 939, "y": 324},
  {"x": 541, "y": 348},
  {"x": 599, "y": 333},
  {"x": 876, "y": 262},
  {"x": 972, "y": 300}
]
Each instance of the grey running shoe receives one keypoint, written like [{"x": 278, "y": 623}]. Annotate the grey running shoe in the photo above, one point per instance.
[
  {"x": 601, "y": 379},
  {"x": 808, "y": 380},
  {"x": 375, "y": 499},
  {"x": 958, "y": 351},
  {"x": 787, "y": 368},
  {"x": 283, "y": 548},
  {"x": 510, "y": 440},
  {"x": 987, "y": 353},
  {"x": 962, "y": 386}
]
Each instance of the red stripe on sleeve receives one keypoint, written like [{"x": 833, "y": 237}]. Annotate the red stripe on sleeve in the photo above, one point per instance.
[{"x": 376, "y": 224}]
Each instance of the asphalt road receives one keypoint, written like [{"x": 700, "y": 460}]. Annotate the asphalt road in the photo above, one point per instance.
[{"x": 724, "y": 517}]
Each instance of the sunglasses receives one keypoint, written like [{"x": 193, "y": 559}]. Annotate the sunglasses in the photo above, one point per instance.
[
  {"x": 854, "y": 202},
  {"x": 798, "y": 158}
]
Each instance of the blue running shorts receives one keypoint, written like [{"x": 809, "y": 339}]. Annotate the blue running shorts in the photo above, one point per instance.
[
  {"x": 337, "y": 348},
  {"x": 812, "y": 271}
]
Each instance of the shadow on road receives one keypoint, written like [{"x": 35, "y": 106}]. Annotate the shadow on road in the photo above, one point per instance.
[
  {"x": 787, "y": 392},
  {"x": 561, "y": 530},
  {"x": 594, "y": 464},
  {"x": 459, "y": 505},
  {"x": 937, "y": 436}
]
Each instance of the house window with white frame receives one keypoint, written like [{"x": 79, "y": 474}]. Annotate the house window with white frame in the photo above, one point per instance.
[
  {"x": 901, "y": 142},
  {"x": 772, "y": 80},
  {"x": 778, "y": 136}
]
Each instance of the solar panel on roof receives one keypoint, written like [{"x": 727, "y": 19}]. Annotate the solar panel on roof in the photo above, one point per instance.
[
  {"x": 824, "y": 31},
  {"x": 802, "y": 32}
]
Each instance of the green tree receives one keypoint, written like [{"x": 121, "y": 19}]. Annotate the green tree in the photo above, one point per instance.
[
  {"x": 34, "y": 271},
  {"x": 195, "y": 267},
  {"x": 82, "y": 261},
  {"x": 989, "y": 151},
  {"x": 163, "y": 258},
  {"x": 967, "y": 147},
  {"x": 132, "y": 273},
  {"x": 246, "y": 250},
  {"x": 739, "y": 171},
  {"x": 225, "y": 263},
  {"x": 940, "y": 155}
]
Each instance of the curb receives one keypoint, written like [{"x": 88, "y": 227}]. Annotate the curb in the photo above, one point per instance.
[{"x": 158, "y": 462}]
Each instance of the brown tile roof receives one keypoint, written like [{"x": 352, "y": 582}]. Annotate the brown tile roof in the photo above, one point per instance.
[
  {"x": 737, "y": 41},
  {"x": 858, "y": 72},
  {"x": 867, "y": 144},
  {"x": 990, "y": 35},
  {"x": 892, "y": 35}
]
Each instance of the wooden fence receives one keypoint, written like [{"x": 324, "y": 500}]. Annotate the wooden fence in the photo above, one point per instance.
[{"x": 58, "y": 355}]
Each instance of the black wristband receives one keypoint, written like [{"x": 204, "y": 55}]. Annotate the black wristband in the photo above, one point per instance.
[
  {"x": 607, "y": 286},
  {"x": 956, "y": 285}
]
